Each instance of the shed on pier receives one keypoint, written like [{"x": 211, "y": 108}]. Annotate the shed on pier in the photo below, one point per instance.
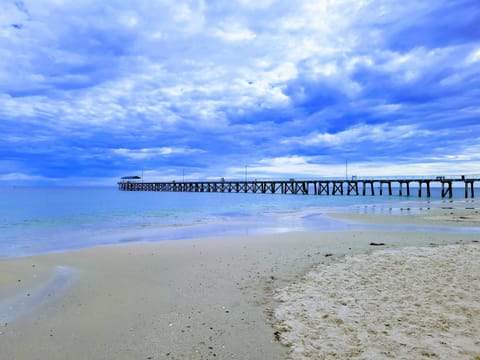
[{"x": 130, "y": 178}]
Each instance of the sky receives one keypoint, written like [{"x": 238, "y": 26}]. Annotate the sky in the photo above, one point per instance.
[{"x": 94, "y": 90}]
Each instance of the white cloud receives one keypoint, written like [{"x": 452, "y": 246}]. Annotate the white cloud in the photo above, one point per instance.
[
  {"x": 231, "y": 31},
  {"x": 387, "y": 108},
  {"x": 309, "y": 167},
  {"x": 189, "y": 16},
  {"x": 147, "y": 153},
  {"x": 415, "y": 168},
  {"x": 282, "y": 167},
  {"x": 21, "y": 177},
  {"x": 474, "y": 56},
  {"x": 257, "y": 4},
  {"x": 129, "y": 20},
  {"x": 361, "y": 133}
]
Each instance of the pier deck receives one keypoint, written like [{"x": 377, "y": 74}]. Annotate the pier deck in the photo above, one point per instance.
[{"x": 364, "y": 186}]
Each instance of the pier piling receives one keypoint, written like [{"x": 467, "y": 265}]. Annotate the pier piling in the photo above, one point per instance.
[{"x": 305, "y": 187}]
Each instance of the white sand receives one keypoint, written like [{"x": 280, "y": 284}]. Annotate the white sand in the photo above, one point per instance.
[{"x": 414, "y": 303}]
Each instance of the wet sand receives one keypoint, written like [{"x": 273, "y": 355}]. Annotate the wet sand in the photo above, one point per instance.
[
  {"x": 452, "y": 214},
  {"x": 191, "y": 299}
]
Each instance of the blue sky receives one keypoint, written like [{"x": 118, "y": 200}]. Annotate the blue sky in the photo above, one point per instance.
[{"x": 94, "y": 90}]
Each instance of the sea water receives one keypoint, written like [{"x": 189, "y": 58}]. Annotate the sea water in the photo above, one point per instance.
[{"x": 36, "y": 220}]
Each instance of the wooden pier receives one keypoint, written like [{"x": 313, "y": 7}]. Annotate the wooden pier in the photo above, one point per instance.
[{"x": 361, "y": 186}]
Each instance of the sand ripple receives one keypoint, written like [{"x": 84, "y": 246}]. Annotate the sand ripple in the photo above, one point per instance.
[{"x": 414, "y": 303}]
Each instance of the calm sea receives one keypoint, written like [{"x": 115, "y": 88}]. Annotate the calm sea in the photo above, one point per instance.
[{"x": 36, "y": 220}]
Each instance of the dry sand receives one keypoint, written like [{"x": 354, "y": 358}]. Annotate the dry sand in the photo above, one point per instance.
[
  {"x": 414, "y": 303},
  {"x": 192, "y": 299}
]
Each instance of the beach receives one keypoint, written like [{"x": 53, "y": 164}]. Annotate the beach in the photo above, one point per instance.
[
  {"x": 413, "y": 303},
  {"x": 247, "y": 297}
]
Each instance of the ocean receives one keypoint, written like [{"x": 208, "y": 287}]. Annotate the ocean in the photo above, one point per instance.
[{"x": 35, "y": 220}]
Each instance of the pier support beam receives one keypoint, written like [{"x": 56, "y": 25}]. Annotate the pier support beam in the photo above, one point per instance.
[
  {"x": 324, "y": 188},
  {"x": 337, "y": 187},
  {"x": 420, "y": 183},
  {"x": 389, "y": 187},
  {"x": 372, "y": 190},
  {"x": 447, "y": 189},
  {"x": 352, "y": 187},
  {"x": 469, "y": 183}
]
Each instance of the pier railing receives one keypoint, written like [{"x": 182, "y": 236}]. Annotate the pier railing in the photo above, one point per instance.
[{"x": 322, "y": 186}]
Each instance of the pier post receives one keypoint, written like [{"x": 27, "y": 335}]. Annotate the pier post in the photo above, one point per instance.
[
  {"x": 467, "y": 183},
  {"x": 447, "y": 190},
  {"x": 371, "y": 185},
  {"x": 305, "y": 188}
]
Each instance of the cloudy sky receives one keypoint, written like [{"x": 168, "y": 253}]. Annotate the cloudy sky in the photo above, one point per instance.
[{"x": 94, "y": 90}]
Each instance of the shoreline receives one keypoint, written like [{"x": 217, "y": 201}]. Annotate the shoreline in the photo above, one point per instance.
[
  {"x": 440, "y": 216},
  {"x": 200, "y": 299},
  {"x": 401, "y": 213}
]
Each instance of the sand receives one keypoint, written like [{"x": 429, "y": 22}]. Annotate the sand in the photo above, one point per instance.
[
  {"x": 450, "y": 214},
  {"x": 191, "y": 299},
  {"x": 414, "y": 303}
]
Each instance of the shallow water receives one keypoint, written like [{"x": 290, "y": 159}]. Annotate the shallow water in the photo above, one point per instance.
[{"x": 40, "y": 219}]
